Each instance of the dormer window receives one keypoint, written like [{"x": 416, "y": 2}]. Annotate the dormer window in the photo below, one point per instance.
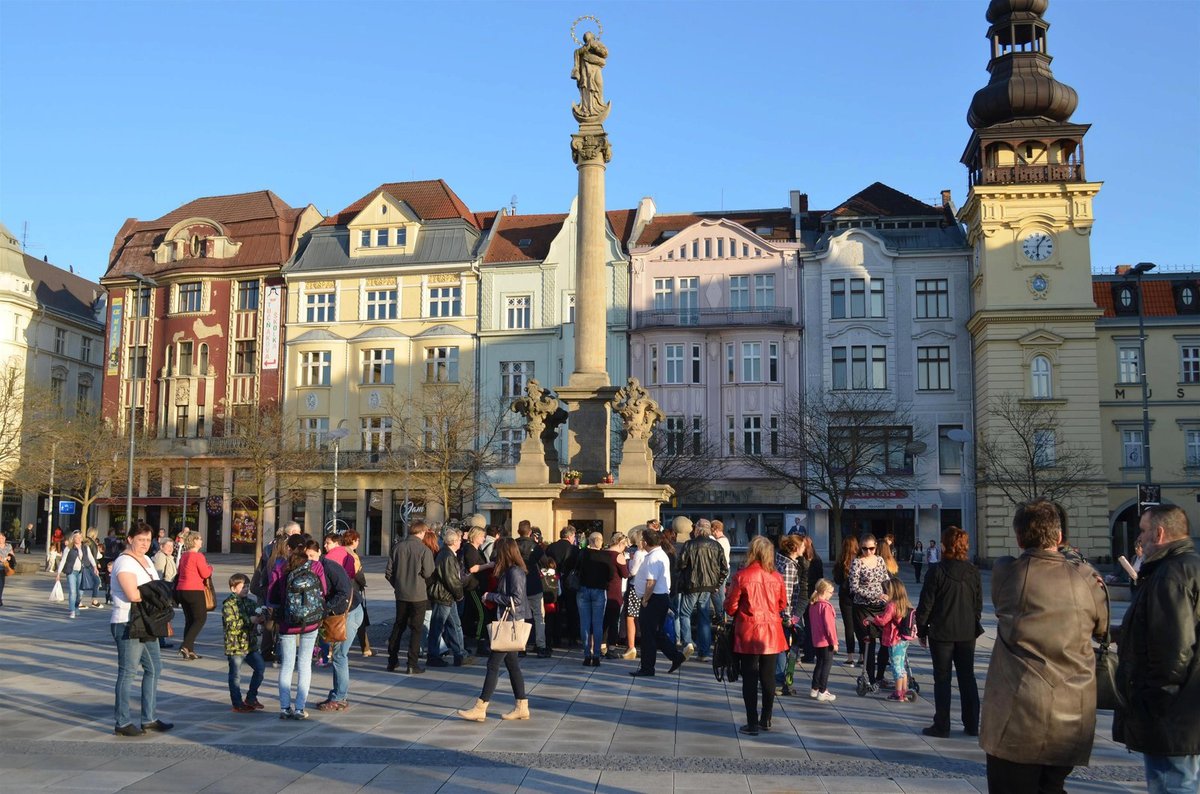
[
  {"x": 1125, "y": 299},
  {"x": 524, "y": 242},
  {"x": 1186, "y": 299}
]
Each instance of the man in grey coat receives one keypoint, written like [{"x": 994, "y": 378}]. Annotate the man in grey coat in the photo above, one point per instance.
[{"x": 408, "y": 570}]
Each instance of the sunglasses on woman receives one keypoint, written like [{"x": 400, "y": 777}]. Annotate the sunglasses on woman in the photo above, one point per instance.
[{"x": 868, "y": 548}]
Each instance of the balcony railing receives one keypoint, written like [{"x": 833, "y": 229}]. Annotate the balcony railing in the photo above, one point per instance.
[
  {"x": 1027, "y": 174},
  {"x": 673, "y": 318}
]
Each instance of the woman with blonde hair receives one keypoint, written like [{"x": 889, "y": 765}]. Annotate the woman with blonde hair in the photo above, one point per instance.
[
  {"x": 755, "y": 600},
  {"x": 889, "y": 558},
  {"x": 78, "y": 562}
]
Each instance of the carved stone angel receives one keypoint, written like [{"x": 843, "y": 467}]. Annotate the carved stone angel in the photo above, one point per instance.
[
  {"x": 638, "y": 410},
  {"x": 536, "y": 406}
]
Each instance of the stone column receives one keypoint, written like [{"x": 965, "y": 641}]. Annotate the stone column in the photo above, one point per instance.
[{"x": 591, "y": 151}]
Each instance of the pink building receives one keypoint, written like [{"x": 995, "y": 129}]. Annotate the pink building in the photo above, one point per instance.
[{"x": 715, "y": 338}]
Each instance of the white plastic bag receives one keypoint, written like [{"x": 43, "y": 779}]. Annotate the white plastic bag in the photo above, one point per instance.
[{"x": 56, "y": 593}]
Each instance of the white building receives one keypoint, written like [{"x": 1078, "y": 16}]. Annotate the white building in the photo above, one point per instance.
[{"x": 52, "y": 327}]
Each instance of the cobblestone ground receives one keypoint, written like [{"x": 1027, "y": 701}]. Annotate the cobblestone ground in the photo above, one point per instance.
[{"x": 593, "y": 729}]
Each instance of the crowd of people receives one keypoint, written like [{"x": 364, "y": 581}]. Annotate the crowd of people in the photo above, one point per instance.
[{"x": 661, "y": 589}]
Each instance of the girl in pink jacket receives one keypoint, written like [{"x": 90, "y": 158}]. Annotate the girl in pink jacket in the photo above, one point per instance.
[
  {"x": 893, "y": 616},
  {"x": 822, "y": 630}
]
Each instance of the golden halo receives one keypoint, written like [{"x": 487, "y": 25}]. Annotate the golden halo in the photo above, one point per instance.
[{"x": 599, "y": 29}]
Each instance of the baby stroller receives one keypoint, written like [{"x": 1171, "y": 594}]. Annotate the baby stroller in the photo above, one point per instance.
[{"x": 908, "y": 633}]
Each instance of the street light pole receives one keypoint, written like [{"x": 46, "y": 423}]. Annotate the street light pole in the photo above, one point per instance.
[
  {"x": 1137, "y": 271},
  {"x": 142, "y": 283}
]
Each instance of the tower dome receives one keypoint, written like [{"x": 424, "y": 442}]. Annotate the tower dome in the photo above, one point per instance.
[{"x": 1022, "y": 86}]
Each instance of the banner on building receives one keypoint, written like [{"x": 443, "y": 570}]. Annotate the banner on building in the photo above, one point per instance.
[
  {"x": 115, "y": 319},
  {"x": 270, "y": 337}
]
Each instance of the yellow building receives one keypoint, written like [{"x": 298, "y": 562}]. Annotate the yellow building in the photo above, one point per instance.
[
  {"x": 382, "y": 305},
  {"x": 1170, "y": 314},
  {"x": 1029, "y": 216}
]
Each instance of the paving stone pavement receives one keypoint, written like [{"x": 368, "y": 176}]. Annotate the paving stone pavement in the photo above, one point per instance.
[{"x": 593, "y": 729}]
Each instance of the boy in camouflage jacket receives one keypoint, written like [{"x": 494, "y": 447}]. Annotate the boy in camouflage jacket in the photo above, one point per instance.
[{"x": 239, "y": 618}]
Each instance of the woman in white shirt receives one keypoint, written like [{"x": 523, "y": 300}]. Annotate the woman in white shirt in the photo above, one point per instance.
[
  {"x": 129, "y": 570},
  {"x": 633, "y": 602},
  {"x": 77, "y": 558}
]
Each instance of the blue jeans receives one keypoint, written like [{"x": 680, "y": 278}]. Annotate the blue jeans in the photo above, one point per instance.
[
  {"x": 130, "y": 654},
  {"x": 689, "y": 603},
  {"x": 339, "y": 655},
  {"x": 426, "y": 634},
  {"x": 255, "y": 660},
  {"x": 295, "y": 655},
  {"x": 675, "y": 601},
  {"x": 1172, "y": 774},
  {"x": 73, "y": 590},
  {"x": 444, "y": 624},
  {"x": 591, "y": 603}
]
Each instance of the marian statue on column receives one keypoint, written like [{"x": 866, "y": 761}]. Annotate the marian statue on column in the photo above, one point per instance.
[{"x": 590, "y": 57}]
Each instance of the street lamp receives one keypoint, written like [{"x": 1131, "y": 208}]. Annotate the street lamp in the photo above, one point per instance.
[
  {"x": 916, "y": 449},
  {"x": 142, "y": 282},
  {"x": 1136, "y": 272},
  {"x": 968, "y": 473},
  {"x": 187, "y": 454},
  {"x": 336, "y": 435}
]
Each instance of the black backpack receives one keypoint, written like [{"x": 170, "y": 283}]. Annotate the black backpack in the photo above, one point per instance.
[{"x": 304, "y": 598}]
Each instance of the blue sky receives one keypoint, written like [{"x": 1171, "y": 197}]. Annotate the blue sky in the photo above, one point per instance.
[{"x": 113, "y": 110}]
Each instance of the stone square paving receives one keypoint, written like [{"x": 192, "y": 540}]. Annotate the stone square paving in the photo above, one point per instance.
[{"x": 593, "y": 729}]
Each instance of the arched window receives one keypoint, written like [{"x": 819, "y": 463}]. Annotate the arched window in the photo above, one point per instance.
[{"x": 1039, "y": 374}]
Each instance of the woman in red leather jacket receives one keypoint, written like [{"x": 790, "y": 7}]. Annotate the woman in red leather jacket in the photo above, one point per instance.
[{"x": 757, "y": 600}]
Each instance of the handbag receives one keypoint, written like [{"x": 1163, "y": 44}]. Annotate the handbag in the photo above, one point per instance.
[
  {"x": 508, "y": 633},
  {"x": 210, "y": 596},
  {"x": 333, "y": 627},
  {"x": 56, "y": 593},
  {"x": 1107, "y": 696}
]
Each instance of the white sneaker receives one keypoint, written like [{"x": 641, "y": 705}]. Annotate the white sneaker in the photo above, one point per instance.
[
  {"x": 603, "y": 648},
  {"x": 826, "y": 697},
  {"x": 814, "y": 694},
  {"x": 688, "y": 650}
]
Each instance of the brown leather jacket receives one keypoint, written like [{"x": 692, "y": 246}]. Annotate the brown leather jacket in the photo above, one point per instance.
[{"x": 1040, "y": 703}]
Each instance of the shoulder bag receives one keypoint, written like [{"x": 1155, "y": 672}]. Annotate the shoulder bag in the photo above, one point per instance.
[
  {"x": 1107, "y": 696},
  {"x": 507, "y": 633},
  {"x": 210, "y": 596}
]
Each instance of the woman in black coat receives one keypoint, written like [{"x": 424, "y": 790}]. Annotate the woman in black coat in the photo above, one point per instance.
[{"x": 948, "y": 620}]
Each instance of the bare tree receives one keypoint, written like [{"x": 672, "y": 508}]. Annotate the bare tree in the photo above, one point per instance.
[
  {"x": 1022, "y": 454},
  {"x": 684, "y": 459},
  {"x": 26, "y": 415},
  {"x": 442, "y": 441},
  {"x": 79, "y": 456},
  {"x": 834, "y": 445},
  {"x": 265, "y": 443}
]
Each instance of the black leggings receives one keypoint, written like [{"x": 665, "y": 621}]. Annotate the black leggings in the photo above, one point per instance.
[
  {"x": 824, "y": 654},
  {"x": 513, "y": 663},
  {"x": 612, "y": 615},
  {"x": 758, "y": 672},
  {"x": 195, "y": 614},
  {"x": 846, "y": 607}
]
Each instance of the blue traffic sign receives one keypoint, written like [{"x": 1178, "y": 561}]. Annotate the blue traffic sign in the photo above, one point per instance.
[{"x": 66, "y": 508}]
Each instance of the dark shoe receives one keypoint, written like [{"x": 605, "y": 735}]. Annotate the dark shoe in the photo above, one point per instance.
[
  {"x": 128, "y": 730},
  {"x": 414, "y": 670},
  {"x": 675, "y": 665},
  {"x": 392, "y": 665},
  {"x": 749, "y": 730},
  {"x": 642, "y": 674},
  {"x": 463, "y": 661},
  {"x": 764, "y": 725},
  {"x": 587, "y": 661},
  {"x": 787, "y": 691},
  {"x": 332, "y": 705},
  {"x": 158, "y": 726},
  {"x": 595, "y": 661},
  {"x": 255, "y": 705},
  {"x": 544, "y": 653},
  {"x": 935, "y": 732},
  {"x": 971, "y": 731},
  {"x": 244, "y": 708},
  {"x": 436, "y": 661}
]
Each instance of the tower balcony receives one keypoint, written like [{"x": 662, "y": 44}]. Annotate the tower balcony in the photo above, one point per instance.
[
  {"x": 1027, "y": 174},
  {"x": 684, "y": 318}
]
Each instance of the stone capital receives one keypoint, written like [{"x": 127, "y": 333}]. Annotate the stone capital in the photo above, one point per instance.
[{"x": 590, "y": 147}]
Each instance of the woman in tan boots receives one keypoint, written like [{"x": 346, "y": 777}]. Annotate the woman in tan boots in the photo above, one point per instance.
[{"x": 509, "y": 593}]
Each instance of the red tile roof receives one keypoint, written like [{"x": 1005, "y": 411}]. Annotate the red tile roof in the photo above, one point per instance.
[
  {"x": 622, "y": 225},
  {"x": 1159, "y": 297},
  {"x": 431, "y": 199},
  {"x": 539, "y": 230},
  {"x": 879, "y": 200},
  {"x": 779, "y": 221},
  {"x": 262, "y": 222}
]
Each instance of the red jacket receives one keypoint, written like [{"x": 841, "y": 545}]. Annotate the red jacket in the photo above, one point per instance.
[
  {"x": 193, "y": 570},
  {"x": 756, "y": 600}
]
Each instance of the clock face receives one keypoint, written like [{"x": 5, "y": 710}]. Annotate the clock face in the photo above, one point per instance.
[{"x": 1038, "y": 246}]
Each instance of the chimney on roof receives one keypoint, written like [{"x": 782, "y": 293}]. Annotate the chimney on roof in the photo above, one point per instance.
[
  {"x": 946, "y": 199},
  {"x": 799, "y": 202},
  {"x": 46, "y": 258},
  {"x": 1123, "y": 269}
]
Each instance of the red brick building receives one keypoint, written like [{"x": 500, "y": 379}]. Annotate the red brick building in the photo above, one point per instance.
[{"x": 195, "y": 346}]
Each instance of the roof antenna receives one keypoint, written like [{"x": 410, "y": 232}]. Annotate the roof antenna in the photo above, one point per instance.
[{"x": 512, "y": 205}]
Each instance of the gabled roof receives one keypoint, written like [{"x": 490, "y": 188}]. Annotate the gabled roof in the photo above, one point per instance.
[
  {"x": 431, "y": 199},
  {"x": 62, "y": 291},
  {"x": 1158, "y": 292},
  {"x": 778, "y": 221},
  {"x": 261, "y": 221},
  {"x": 536, "y": 231},
  {"x": 621, "y": 222},
  {"x": 879, "y": 200}
]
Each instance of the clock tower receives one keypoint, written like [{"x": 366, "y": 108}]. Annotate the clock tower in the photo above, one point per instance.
[{"x": 1028, "y": 216}]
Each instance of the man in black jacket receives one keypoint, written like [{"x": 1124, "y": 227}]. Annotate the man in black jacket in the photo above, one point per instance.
[
  {"x": 408, "y": 570},
  {"x": 565, "y": 554},
  {"x": 474, "y": 563},
  {"x": 445, "y": 591},
  {"x": 1158, "y": 675},
  {"x": 702, "y": 569}
]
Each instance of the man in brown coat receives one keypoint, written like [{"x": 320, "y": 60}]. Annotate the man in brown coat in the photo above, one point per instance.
[{"x": 1039, "y": 707}]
